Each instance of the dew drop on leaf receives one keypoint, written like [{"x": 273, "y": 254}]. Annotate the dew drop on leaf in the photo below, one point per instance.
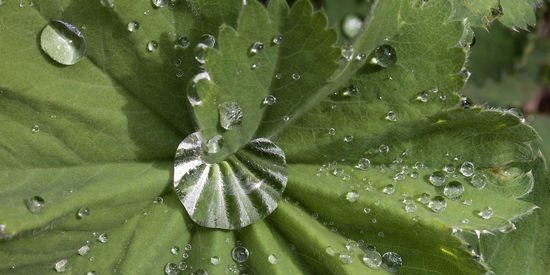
[
  {"x": 453, "y": 190},
  {"x": 372, "y": 259},
  {"x": 103, "y": 238},
  {"x": 486, "y": 213},
  {"x": 467, "y": 169},
  {"x": 269, "y": 100},
  {"x": 240, "y": 254},
  {"x": 61, "y": 265},
  {"x": 62, "y": 42},
  {"x": 182, "y": 43},
  {"x": 133, "y": 26},
  {"x": 83, "y": 212},
  {"x": 35, "y": 128},
  {"x": 384, "y": 56},
  {"x": 152, "y": 46},
  {"x": 171, "y": 269},
  {"x": 192, "y": 94},
  {"x": 215, "y": 260},
  {"x": 410, "y": 207},
  {"x": 277, "y": 39},
  {"x": 296, "y": 76},
  {"x": 479, "y": 180},
  {"x": 182, "y": 266},
  {"x": 175, "y": 250},
  {"x": 391, "y": 261},
  {"x": 35, "y": 204},
  {"x": 158, "y": 200},
  {"x": 214, "y": 144},
  {"x": 207, "y": 41},
  {"x": 159, "y": 3},
  {"x": 352, "y": 196},
  {"x": 255, "y": 48},
  {"x": 423, "y": 96},
  {"x": 437, "y": 204},
  {"x": 508, "y": 227},
  {"x": 391, "y": 116},
  {"x": 255, "y": 66},
  {"x": 363, "y": 164},
  {"x": 107, "y": 3},
  {"x": 389, "y": 189},
  {"x": 351, "y": 25},
  {"x": 272, "y": 259},
  {"x": 231, "y": 115},
  {"x": 347, "y": 52},
  {"x": 437, "y": 178},
  {"x": 83, "y": 250},
  {"x": 345, "y": 258}
]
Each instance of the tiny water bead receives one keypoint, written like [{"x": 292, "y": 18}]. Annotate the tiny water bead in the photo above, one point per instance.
[
  {"x": 437, "y": 178},
  {"x": 345, "y": 258},
  {"x": 83, "y": 212},
  {"x": 372, "y": 259},
  {"x": 384, "y": 56},
  {"x": 158, "y": 200},
  {"x": 215, "y": 260},
  {"x": 175, "y": 250},
  {"x": 332, "y": 131},
  {"x": 159, "y": 3},
  {"x": 363, "y": 164},
  {"x": 272, "y": 259},
  {"x": 231, "y": 115},
  {"x": 188, "y": 247},
  {"x": 351, "y": 25},
  {"x": 352, "y": 196},
  {"x": 391, "y": 116},
  {"x": 486, "y": 213},
  {"x": 133, "y": 26},
  {"x": 392, "y": 261},
  {"x": 277, "y": 39},
  {"x": 347, "y": 52},
  {"x": 61, "y": 265},
  {"x": 255, "y": 66},
  {"x": 103, "y": 238},
  {"x": 286, "y": 118},
  {"x": 453, "y": 190},
  {"x": 467, "y": 169},
  {"x": 62, "y": 42},
  {"x": 240, "y": 254},
  {"x": 348, "y": 138},
  {"x": 479, "y": 180},
  {"x": 437, "y": 204},
  {"x": 269, "y": 100},
  {"x": 255, "y": 48},
  {"x": 35, "y": 204},
  {"x": 83, "y": 250},
  {"x": 152, "y": 46},
  {"x": 296, "y": 76},
  {"x": 389, "y": 189}
]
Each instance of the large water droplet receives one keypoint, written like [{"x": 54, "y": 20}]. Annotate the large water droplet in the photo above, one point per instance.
[
  {"x": 249, "y": 183},
  {"x": 389, "y": 189},
  {"x": 269, "y": 100},
  {"x": 83, "y": 250},
  {"x": 83, "y": 212},
  {"x": 486, "y": 213},
  {"x": 467, "y": 169},
  {"x": 437, "y": 178},
  {"x": 171, "y": 269},
  {"x": 62, "y": 42},
  {"x": 61, "y": 265},
  {"x": 231, "y": 115},
  {"x": 479, "y": 180},
  {"x": 35, "y": 204},
  {"x": 255, "y": 48},
  {"x": 391, "y": 261},
  {"x": 384, "y": 56},
  {"x": 453, "y": 190},
  {"x": 133, "y": 26},
  {"x": 351, "y": 25},
  {"x": 437, "y": 204},
  {"x": 372, "y": 259},
  {"x": 363, "y": 164},
  {"x": 240, "y": 254}
]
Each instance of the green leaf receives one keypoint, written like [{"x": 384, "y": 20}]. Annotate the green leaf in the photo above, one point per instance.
[{"x": 480, "y": 13}]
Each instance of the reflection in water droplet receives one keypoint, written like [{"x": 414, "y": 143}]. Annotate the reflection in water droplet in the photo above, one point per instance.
[
  {"x": 255, "y": 48},
  {"x": 250, "y": 183},
  {"x": 486, "y": 213},
  {"x": 231, "y": 115},
  {"x": 453, "y": 190},
  {"x": 437, "y": 178},
  {"x": 372, "y": 259},
  {"x": 152, "y": 46},
  {"x": 83, "y": 212},
  {"x": 62, "y": 42},
  {"x": 437, "y": 204},
  {"x": 133, "y": 26},
  {"x": 384, "y": 56},
  {"x": 35, "y": 204},
  {"x": 240, "y": 254},
  {"x": 351, "y": 25},
  {"x": 467, "y": 169},
  {"x": 61, "y": 265},
  {"x": 391, "y": 261}
]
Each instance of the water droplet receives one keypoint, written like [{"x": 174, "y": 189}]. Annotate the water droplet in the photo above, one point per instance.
[
  {"x": 255, "y": 66},
  {"x": 466, "y": 103},
  {"x": 424, "y": 198},
  {"x": 372, "y": 259},
  {"x": 103, "y": 238},
  {"x": 185, "y": 255},
  {"x": 383, "y": 148},
  {"x": 158, "y": 200},
  {"x": 182, "y": 266},
  {"x": 231, "y": 115},
  {"x": 366, "y": 210},
  {"x": 418, "y": 165},
  {"x": 449, "y": 169},
  {"x": 215, "y": 260},
  {"x": 214, "y": 144},
  {"x": 296, "y": 76},
  {"x": 467, "y": 169},
  {"x": 410, "y": 207},
  {"x": 347, "y": 52},
  {"x": 332, "y": 131},
  {"x": 62, "y": 42},
  {"x": 91, "y": 272},
  {"x": 465, "y": 221},
  {"x": 453, "y": 190},
  {"x": 159, "y": 3},
  {"x": 391, "y": 261},
  {"x": 278, "y": 75},
  {"x": 35, "y": 128},
  {"x": 83, "y": 212},
  {"x": 348, "y": 138},
  {"x": 107, "y": 3},
  {"x": 286, "y": 118},
  {"x": 133, "y": 26},
  {"x": 179, "y": 73},
  {"x": 437, "y": 204},
  {"x": 363, "y": 164},
  {"x": 479, "y": 180},
  {"x": 83, "y": 250},
  {"x": 152, "y": 46},
  {"x": 35, "y": 204},
  {"x": 437, "y": 178},
  {"x": 182, "y": 43},
  {"x": 175, "y": 250},
  {"x": 352, "y": 196},
  {"x": 508, "y": 227},
  {"x": 240, "y": 254},
  {"x": 272, "y": 259},
  {"x": 269, "y": 100},
  {"x": 361, "y": 56},
  {"x": 345, "y": 258},
  {"x": 255, "y": 48},
  {"x": 389, "y": 189},
  {"x": 384, "y": 56},
  {"x": 192, "y": 94},
  {"x": 146, "y": 12},
  {"x": 391, "y": 116},
  {"x": 351, "y": 25},
  {"x": 277, "y": 39},
  {"x": 208, "y": 40},
  {"x": 423, "y": 97},
  {"x": 171, "y": 269},
  {"x": 61, "y": 265},
  {"x": 486, "y": 213},
  {"x": 329, "y": 250}
]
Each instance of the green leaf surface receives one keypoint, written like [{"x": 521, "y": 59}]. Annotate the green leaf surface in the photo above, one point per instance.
[{"x": 481, "y": 13}]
